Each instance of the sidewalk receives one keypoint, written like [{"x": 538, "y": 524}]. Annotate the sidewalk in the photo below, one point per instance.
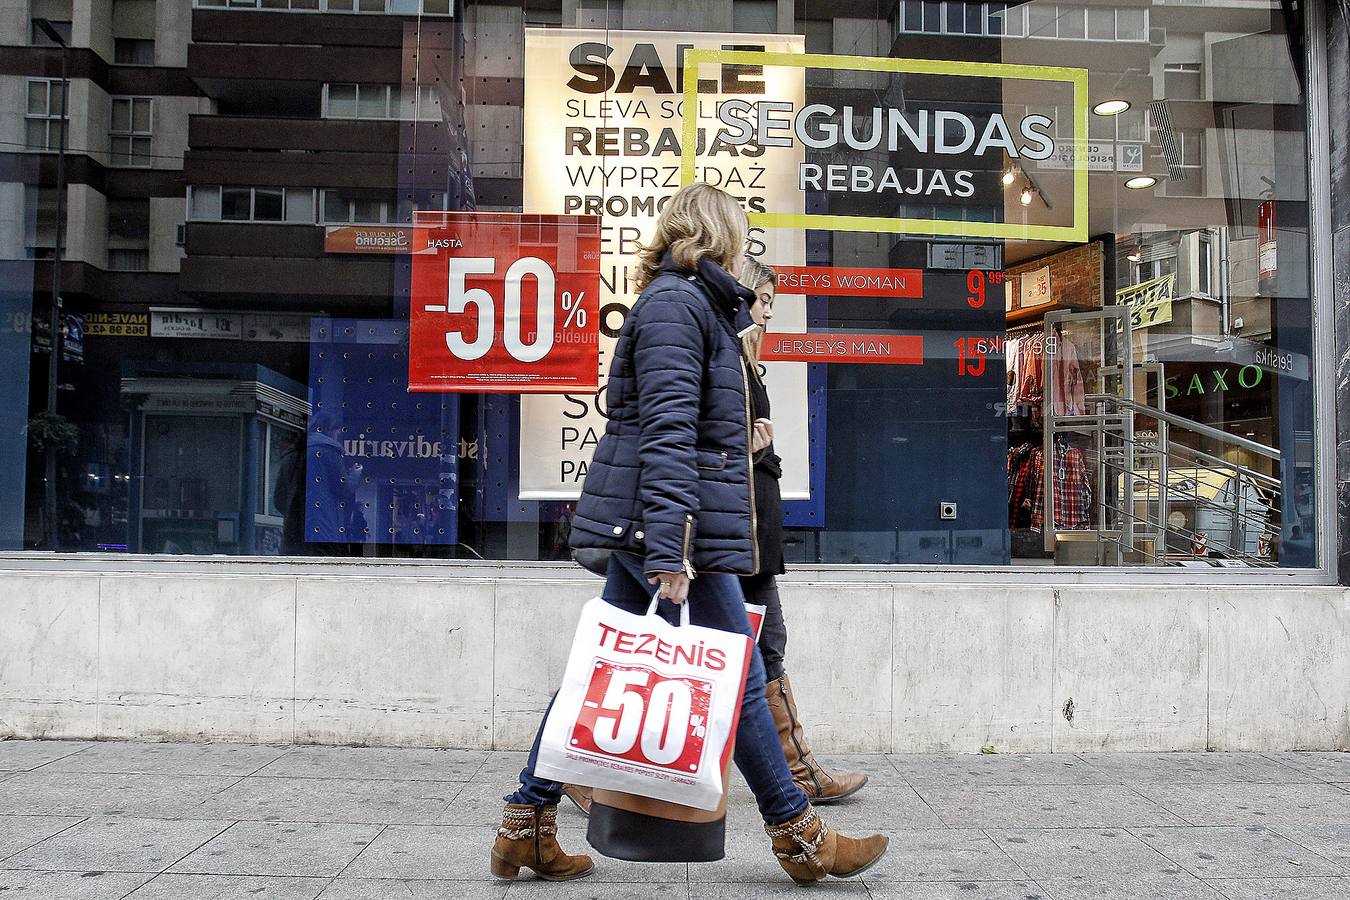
[{"x": 98, "y": 821}]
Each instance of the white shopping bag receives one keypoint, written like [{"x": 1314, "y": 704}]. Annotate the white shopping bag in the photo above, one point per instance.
[{"x": 646, "y": 707}]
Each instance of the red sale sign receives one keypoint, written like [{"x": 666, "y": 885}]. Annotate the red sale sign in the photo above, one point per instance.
[
  {"x": 504, "y": 303},
  {"x": 635, "y": 713}
]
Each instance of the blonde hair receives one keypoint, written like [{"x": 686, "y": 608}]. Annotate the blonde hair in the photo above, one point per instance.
[
  {"x": 700, "y": 220},
  {"x": 754, "y": 274}
]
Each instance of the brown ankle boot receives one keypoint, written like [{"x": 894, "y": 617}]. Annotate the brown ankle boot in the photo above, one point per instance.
[
  {"x": 581, "y": 797},
  {"x": 819, "y": 785},
  {"x": 809, "y": 850},
  {"x": 529, "y": 837}
]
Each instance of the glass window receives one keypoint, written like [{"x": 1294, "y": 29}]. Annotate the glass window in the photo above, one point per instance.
[
  {"x": 1131, "y": 24},
  {"x": 134, "y": 51},
  {"x": 341, "y": 101},
  {"x": 1101, "y": 23},
  {"x": 130, "y": 137},
  {"x": 42, "y": 116},
  {"x": 268, "y": 204},
  {"x": 960, "y": 442},
  {"x": 236, "y": 204},
  {"x": 1071, "y": 22},
  {"x": 204, "y": 203}
]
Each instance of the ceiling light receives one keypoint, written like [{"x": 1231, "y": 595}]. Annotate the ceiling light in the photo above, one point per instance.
[
  {"x": 1009, "y": 177},
  {"x": 1140, "y": 182},
  {"x": 1111, "y": 107},
  {"x": 1026, "y": 196},
  {"x": 1133, "y": 257}
]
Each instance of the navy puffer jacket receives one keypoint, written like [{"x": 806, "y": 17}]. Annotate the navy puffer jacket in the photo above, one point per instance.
[{"x": 670, "y": 479}]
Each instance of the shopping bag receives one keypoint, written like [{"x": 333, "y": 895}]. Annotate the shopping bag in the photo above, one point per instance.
[
  {"x": 646, "y": 707},
  {"x": 755, "y": 613}
]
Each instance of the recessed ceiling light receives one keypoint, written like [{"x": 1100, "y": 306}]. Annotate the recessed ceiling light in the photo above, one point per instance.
[
  {"x": 1026, "y": 196},
  {"x": 1111, "y": 107},
  {"x": 1009, "y": 177},
  {"x": 1140, "y": 182}
]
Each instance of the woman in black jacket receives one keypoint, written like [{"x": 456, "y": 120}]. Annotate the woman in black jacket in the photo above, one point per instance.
[
  {"x": 670, "y": 489},
  {"x": 819, "y": 784}
]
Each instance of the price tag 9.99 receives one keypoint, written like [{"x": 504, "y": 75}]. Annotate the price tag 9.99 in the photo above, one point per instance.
[{"x": 504, "y": 302}]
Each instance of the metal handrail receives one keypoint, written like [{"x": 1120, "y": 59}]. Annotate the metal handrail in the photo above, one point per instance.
[{"x": 1189, "y": 424}]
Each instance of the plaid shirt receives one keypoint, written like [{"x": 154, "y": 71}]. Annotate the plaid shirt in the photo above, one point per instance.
[
  {"x": 1022, "y": 482},
  {"x": 1073, "y": 489}
]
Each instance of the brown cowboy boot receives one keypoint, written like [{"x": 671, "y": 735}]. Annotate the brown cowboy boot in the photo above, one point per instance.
[
  {"x": 809, "y": 850},
  {"x": 819, "y": 785},
  {"x": 581, "y": 797},
  {"x": 529, "y": 837}
]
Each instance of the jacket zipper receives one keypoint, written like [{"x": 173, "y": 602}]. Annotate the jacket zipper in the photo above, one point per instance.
[
  {"x": 688, "y": 538},
  {"x": 750, "y": 470}
]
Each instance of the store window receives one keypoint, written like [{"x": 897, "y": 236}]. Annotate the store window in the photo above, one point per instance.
[{"x": 1045, "y": 294}]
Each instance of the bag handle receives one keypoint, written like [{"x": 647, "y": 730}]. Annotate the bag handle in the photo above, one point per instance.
[{"x": 684, "y": 608}]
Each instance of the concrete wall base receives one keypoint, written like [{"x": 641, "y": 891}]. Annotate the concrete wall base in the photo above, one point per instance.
[{"x": 471, "y": 661}]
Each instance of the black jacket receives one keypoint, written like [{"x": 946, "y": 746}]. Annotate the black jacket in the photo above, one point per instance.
[
  {"x": 768, "y": 491},
  {"x": 670, "y": 479}
]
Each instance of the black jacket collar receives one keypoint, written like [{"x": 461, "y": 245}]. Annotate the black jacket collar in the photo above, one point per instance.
[{"x": 730, "y": 298}]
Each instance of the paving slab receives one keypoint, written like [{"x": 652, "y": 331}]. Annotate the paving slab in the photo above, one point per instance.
[
  {"x": 1080, "y": 852},
  {"x": 1193, "y": 768},
  {"x": 1284, "y": 888},
  {"x": 1323, "y": 766},
  {"x": 21, "y": 832},
  {"x": 117, "y": 844},
  {"x": 1252, "y": 804},
  {"x": 140, "y": 758},
  {"x": 1181, "y": 886},
  {"x": 154, "y": 796},
  {"x": 585, "y": 889},
  {"x": 1330, "y": 841},
  {"x": 314, "y": 849},
  {"x": 425, "y": 851},
  {"x": 1235, "y": 852},
  {"x": 412, "y": 889},
  {"x": 480, "y": 802},
  {"x": 343, "y": 800},
  {"x": 21, "y": 885},
  {"x": 231, "y": 887},
  {"x": 870, "y": 809},
  {"x": 20, "y": 756},
  {"x": 378, "y": 763},
  {"x": 997, "y": 768},
  {"x": 836, "y": 889},
  {"x": 957, "y": 890},
  {"x": 949, "y": 854},
  {"x": 960, "y": 805}
]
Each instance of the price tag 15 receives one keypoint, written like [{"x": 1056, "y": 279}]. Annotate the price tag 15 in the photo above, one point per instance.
[
  {"x": 636, "y": 714},
  {"x": 505, "y": 303}
]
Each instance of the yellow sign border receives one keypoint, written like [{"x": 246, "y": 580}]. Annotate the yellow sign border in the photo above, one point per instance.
[{"x": 1077, "y": 232}]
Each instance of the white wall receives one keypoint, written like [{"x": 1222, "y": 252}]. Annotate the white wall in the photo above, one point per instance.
[{"x": 471, "y": 661}]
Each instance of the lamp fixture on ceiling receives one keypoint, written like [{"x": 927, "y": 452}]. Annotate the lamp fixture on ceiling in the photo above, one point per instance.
[{"x": 1112, "y": 107}]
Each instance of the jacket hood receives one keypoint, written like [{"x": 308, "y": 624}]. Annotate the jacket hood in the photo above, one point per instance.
[{"x": 730, "y": 298}]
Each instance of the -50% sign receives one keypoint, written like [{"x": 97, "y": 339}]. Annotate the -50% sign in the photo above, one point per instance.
[
  {"x": 504, "y": 302},
  {"x": 636, "y": 714}
]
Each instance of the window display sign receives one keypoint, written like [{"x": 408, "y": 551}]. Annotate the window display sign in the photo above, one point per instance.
[
  {"x": 893, "y": 349},
  {"x": 605, "y": 127},
  {"x": 1150, "y": 303},
  {"x": 957, "y": 152},
  {"x": 505, "y": 303}
]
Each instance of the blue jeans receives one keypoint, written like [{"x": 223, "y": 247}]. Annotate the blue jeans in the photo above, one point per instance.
[{"x": 715, "y": 601}]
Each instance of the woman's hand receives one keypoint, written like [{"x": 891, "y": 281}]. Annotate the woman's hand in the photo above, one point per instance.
[
  {"x": 674, "y": 586},
  {"x": 763, "y": 435}
]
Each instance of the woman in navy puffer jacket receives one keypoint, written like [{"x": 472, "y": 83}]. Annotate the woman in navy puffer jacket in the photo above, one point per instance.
[{"x": 670, "y": 487}]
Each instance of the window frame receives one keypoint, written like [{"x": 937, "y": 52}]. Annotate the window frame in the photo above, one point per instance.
[
  {"x": 130, "y": 134},
  {"x": 52, "y": 140}
]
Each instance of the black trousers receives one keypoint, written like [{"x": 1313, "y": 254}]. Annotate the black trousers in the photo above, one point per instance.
[{"x": 763, "y": 590}]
